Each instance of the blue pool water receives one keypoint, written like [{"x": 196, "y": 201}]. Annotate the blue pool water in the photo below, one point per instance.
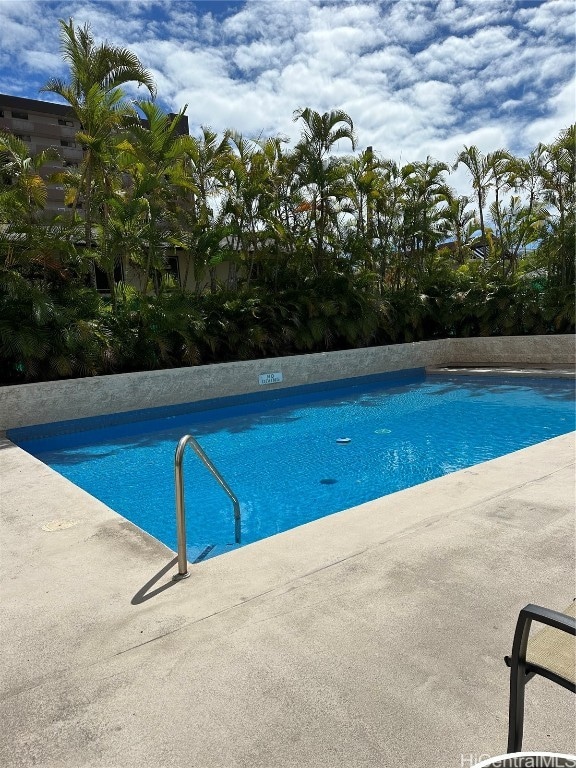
[{"x": 281, "y": 456}]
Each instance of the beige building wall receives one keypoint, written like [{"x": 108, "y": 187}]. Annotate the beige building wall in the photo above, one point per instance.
[{"x": 186, "y": 274}]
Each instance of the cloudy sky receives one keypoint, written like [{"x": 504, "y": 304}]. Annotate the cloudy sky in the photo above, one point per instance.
[{"x": 418, "y": 77}]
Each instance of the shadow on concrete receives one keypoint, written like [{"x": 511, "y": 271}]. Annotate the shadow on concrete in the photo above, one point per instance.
[{"x": 143, "y": 594}]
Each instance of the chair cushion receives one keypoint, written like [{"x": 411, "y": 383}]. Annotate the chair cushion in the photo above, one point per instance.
[{"x": 554, "y": 650}]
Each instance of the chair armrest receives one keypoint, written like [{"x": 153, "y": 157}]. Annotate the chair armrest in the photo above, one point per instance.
[
  {"x": 547, "y": 616},
  {"x": 532, "y": 661}
]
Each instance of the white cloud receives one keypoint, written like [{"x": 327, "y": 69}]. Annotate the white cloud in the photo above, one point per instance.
[
  {"x": 557, "y": 18},
  {"x": 262, "y": 56},
  {"x": 484, "y": 48},
  {"x": 561, "y": 111},
  {"x": 15, "y": 35},
  {"x": 409, "y": 21},
  {"x": 41, "y": 61}
]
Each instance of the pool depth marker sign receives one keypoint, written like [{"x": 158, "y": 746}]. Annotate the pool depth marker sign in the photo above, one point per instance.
[{"x": 270, "y": 378}]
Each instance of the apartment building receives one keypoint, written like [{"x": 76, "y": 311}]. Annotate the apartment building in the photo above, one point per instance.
[{"x": 42, "y": 124}]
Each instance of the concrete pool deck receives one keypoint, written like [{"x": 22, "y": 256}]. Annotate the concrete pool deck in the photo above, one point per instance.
[{"x": 373, "y": 637}]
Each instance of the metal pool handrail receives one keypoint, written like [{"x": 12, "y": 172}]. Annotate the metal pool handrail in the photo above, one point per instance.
[{"x": 180, "y": 510}]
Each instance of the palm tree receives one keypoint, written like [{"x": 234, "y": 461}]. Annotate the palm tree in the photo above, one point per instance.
[
  {"x": 246, "y": 187},
  {"x": 321, "y": 132},
  {"x": 363, "y": 193},
  {"x": 26, "y": 237},
  {"x": 27, "y": 186},
  {"x": 528, "y": 174},
  {"x": 559, "y": 193},
  {"x": 520, "y": 226},
  {"x": 201, "y": 230},
  {"x": 502, "y": 171},
  {"x": 480, "y": 172},
  {"x": 155, "y": 153},
  {"x": 278, "y": 203},
  {"x": 559, "y": 173},
  {"x": 323, "y": 180},
  {"x": 93, "y": 90},
  {"x": 258, "y": 208},
  {"x": 425, "y": 187},
  {"x": 388, "y": 214},
  {"x": 461, "y": 222},
  {"x": 107, "y": 66}
]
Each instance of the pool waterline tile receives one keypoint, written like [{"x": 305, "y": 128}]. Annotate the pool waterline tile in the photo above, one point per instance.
[{"x": 71, "y": 426}]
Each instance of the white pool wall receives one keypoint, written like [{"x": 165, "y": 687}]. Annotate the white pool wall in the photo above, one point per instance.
[{"x": 27, "y": 404}]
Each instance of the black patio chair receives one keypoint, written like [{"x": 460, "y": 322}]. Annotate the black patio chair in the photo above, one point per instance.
[{"x": 550, "y": 652}]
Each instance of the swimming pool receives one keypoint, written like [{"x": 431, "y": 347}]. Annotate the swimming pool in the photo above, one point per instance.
[{"x": 283, "y": 456}]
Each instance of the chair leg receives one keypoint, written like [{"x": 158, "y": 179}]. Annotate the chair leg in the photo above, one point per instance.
[{"x": 516, "y": 712}]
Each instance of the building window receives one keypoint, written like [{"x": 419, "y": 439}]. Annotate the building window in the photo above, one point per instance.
[
  {"x": 20, "y": 115},
  {"x": 70, "y": 164},
  {"x": 101, "y": 280},
  {"x": 1, "y": 113},
  {"x": 67, "y": 143},
  {"x": 173, "y": 267},
  {"x": 61, "y": 121},
  {"x": 23, "y": 136}
]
